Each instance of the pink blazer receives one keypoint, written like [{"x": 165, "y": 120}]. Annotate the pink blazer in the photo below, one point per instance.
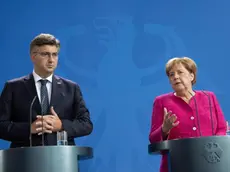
[{"x": 191, "y": 124}]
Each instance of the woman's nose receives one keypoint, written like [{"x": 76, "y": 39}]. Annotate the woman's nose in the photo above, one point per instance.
[{"x": 176, "y": 76}]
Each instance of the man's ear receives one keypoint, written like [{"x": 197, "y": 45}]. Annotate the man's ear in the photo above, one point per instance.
[{"x": 32, "y": 57}]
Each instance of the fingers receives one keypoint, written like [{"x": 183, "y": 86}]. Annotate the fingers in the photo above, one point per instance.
[
  {"x": 169, "y": 120},
  {"x": 48, "y": 127},
  {"x": 53, "y": 115},
  {"x": 168, "y": 116},
  {"x": 175, "y": 124},
  {"x": 167, "y": 113},
  {"x": 172, "y": 118},
  {"x": 43, "y": 127},
  {"x": 45, "y": 116},
  {"x": 52, "y": 111},
  {"x": 49, "y": 122},
  {"x": 45, "y": 131}
]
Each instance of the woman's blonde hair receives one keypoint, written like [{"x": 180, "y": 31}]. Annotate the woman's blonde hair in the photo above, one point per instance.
[{"x": 187, "y": 62}]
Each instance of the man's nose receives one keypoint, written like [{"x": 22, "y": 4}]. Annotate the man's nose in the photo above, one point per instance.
[{"x": 51, "y": 58}]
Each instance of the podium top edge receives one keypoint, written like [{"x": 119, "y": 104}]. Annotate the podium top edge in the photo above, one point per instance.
[
  {"x": 193, "y": 138},
  {"x": 83, "y": 152},
  {"x": 47, "y": 147},
  {"x": 165, "y": 145}
]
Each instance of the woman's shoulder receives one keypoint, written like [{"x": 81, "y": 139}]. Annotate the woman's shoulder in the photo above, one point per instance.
[
  {"x": 164, "y": 96},
  {"x": 204, "y": 92}
]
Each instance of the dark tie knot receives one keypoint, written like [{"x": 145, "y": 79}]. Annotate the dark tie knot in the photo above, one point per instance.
[{"x": 43, "y": 81}]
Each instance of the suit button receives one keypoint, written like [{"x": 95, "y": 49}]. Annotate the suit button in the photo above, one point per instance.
[
  {"x": 194, "y": 128},
  {"x": 192, "y": 118}
]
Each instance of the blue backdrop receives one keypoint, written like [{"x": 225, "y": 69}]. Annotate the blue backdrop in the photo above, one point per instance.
[{"x": 116, "y": 50}]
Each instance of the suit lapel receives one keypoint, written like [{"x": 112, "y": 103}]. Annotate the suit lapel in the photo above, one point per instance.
[
  {"x": 57, "y": 92},
  {"x": 30, "y": 85}
]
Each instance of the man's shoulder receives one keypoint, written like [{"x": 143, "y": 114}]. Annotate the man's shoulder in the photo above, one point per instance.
[
  {"x": 66, "y": 81},
  {"x": 17, "y": 80}
]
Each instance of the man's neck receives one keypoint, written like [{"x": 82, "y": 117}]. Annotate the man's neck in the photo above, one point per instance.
[{"x": 43, "y": 75}]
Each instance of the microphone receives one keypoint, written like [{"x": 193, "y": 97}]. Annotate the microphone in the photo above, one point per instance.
[
  {"x": 31, "y": 111},
  {"x": 210, "y": 111},
  {"x": 197, "y": 114},
  {"x": 42, "y": 102}
]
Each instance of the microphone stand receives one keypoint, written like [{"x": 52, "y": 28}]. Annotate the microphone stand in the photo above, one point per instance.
[
  {"x": 210, "y": 109},
  {"x": 42, "y": 123},
  {"x": 31, "y": 113},
  {"x": 197, "y": 115}
]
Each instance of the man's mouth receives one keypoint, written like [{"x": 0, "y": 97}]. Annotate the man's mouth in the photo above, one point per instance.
[{"x": 49, "y": 66}]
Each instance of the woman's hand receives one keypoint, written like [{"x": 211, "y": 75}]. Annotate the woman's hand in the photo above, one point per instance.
[{"x": 169, "y": 121}]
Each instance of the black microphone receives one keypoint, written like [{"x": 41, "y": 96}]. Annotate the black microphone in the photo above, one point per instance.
[
  {"x": 31, "y": 113},
  {"x": 210, "y": 111},
  {"x": 42, "y": 102},
  {"x": 197, "y": 114}
]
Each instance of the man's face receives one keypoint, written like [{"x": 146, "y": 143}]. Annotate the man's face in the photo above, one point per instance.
[{"x": 45, "y": 59}]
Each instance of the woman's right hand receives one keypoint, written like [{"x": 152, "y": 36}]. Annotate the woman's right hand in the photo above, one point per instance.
[{"x": 169, "y": 121}]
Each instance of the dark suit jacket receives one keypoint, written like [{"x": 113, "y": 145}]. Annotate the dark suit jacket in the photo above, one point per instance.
[{"x": 68, "y": 103}]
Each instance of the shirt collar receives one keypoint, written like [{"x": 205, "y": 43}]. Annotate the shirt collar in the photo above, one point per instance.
[{"x": 37, "y": 77}]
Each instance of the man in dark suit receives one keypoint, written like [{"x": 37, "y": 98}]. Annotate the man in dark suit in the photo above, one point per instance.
[{"x": 56, "y": 104}]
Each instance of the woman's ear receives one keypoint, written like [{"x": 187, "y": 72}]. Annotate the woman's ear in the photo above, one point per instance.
[{"x": 192, "y": 76}]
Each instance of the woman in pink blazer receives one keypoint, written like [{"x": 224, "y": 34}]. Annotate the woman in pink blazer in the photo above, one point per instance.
[{"x": 185, "y": 112}]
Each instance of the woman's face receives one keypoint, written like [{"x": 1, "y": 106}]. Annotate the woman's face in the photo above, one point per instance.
[{"x": 180, "y": 78}]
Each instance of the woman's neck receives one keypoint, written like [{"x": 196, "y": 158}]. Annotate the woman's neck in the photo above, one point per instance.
[{"x": 185, "y": 95}]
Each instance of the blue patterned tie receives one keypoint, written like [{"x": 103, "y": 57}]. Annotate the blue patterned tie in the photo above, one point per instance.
[{"x": 44, "y": 97}]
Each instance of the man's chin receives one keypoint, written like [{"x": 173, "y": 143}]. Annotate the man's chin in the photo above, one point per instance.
[{"x": 50, "y": 70}]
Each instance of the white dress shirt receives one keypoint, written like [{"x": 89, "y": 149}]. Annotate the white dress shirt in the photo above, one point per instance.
[{"x": 38, "y": 85}]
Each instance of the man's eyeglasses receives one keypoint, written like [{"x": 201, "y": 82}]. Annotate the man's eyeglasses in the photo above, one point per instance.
[{"x": 47, "y": 54}]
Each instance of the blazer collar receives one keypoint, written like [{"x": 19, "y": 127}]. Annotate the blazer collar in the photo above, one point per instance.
[{"x": 57, "y": 93}]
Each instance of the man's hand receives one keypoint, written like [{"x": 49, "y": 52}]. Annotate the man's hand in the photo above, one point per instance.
[
  {"x": 51, "y": 120},
  {"x": 39, "y": 126}
]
